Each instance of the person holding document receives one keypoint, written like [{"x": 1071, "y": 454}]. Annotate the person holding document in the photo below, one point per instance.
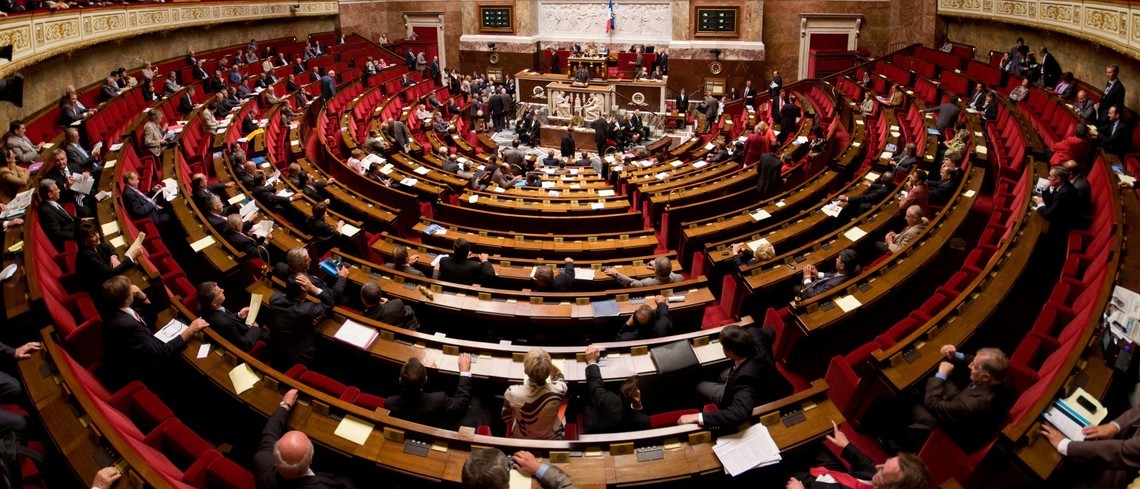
[
  {"x": 130, "y": 348},
  {"x": 232, "y": 326},
  {"x": 1112, "y": 450},
  {"x": 904, "y": 471},
  {"x": 96, "y": 261}
]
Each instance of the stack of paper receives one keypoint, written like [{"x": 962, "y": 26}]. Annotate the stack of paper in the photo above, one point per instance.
[
  {"x": 751, "y": 448},
  {"x": 356, "y": 334},
  {"x": 262, "y": 229},
  {"x": 1072, "y": 414},
  {"x": 584, "y": 273},
  {"x": 832, "y": 209}
]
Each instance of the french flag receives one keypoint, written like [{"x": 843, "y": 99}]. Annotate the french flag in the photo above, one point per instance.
[{"x": 611, "y": 22}]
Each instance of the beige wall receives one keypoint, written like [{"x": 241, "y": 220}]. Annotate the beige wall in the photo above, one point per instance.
[
  {"x": 44, "y": 82},
  {"x": 1085, "y": 59}
]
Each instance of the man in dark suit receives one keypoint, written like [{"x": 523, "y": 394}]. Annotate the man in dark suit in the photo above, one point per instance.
[
  {"x": 130, "y": 348},
  {"x": 555, "y": 63},
  {"x": 199, "y": 72},
  {"x": 232, "y": 327},
  {"x": 299, "y": 67},
  {"x": 650, "y": 320},
  {"x": 609, "y": 412},
  {"x": 710, "y": 107},
  {"x": 972, "y": 415},
  {"x": 390, "y": 311},
  {"x": 942, "y": 190},
  {"x": 295, "y": 452},
  {"x": 904, "y": 471},
  {"x": 751, "y": 381},
  {"x": 774, "y": 88},
  {"x": 328, "y": 85},
  {"x": 54, "y": 219},
  {"x": 907, "y": 160},
  {"x": 749, "y": 94},
  {"x": 461, "y": 269},
  {"x": 947, "y": 114},
  {"x": 410, "y": 59},
  {"x": 1050, "y": 68},
  {"x": 769, "y": 180},
  {"x": 682, "y": 103},
  {"x": 600, "y": 127},
  {"x": 663, "y": 61},
  {"x": 397, "y": 132},
  {"x": 434, "y": 67},
  {"x": 1059, "y": 203},
  {"x": 790, "y": 113},
  {"x": 1114, "y": 134},
  {"x": 978, "y": 98},
  {"x": 297, "y": 261},
  {"x": 567, "y": 145},
  {"x": 816, "y": 282},
  {"x": 546, "y": 281},
  {"x": 186, "y": 104},
  {"x": 140, "y": 205},
  {"x": 496, "y": 102},
  {"x": 435, "y": 409},
  {"x": 292, "y": 320},
  {"x": 1113, "y": 93}
]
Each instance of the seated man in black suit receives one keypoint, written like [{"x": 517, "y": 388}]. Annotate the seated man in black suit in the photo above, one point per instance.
[
  {"x": 327, "y": 236},
  {"x": 390, "y": 311},
  {"x": 907, "y": 160},
  {"x": 1059, "y": 203},
  {"x": 971, "y": 415},
  {"x": 435, "y": 409},
  {"x": 297, "y": 260},
  {"x": 942, "y": 189},
  {"x": 285, "y": 459},
  {"x": 97, "y": 261},
  {"x": 875, "y": 193},
  {"x": 245, "y": 242},
  {"x": 201, "y": 189},
  {"x": 751, "y": 381},
  {"x": 267, "y": 194},
  {"x": 130, "y": 348},
  {"x": 57, "y": 223},
  {"x": 816, "y": 282},
  {"x": 292, "y": 319},
  {"x": 142, "y": 206},
  {"x": 232, "y": 327},
  {"x": 459, "y": 267},
  {"x": 609, "y": 412},
  {"x": 650, "y": 320},
  {"x": 904, "y": 471},
  {"x": 546, "y": 281},
  {"x": 1114, "y": 134}
]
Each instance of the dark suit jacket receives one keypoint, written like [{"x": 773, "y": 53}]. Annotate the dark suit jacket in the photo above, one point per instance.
[
  {"x": 199, "y": 74},
  {"x": 662, "y": 326},
  {"x": 563, "y": 280},
  {"x": 942, "y": 190},
  {"x": 1050, "y": 70},
  {"x": 265, "y": 470},
  {"x": 393, "y": 312},
  {"x": 282, "y": 271},
  {"x": 822, "y": 285},
  {"x": 1118, "y": 142},
  {"x": 435, "y": 409},
  {"x": 243, "y": 243},
  {"x": 267, "y": 195},
  {"x": 78, "y": 159},
  {"x": 1114, "y": 96},
  {"x": 57, "y": 224},
  {"x": 682, "y": 103},
  {"x": 1061, "y": 206},
  {"x": 93, "y": 265},
  {"x": 138, "y": 207},
  {"x": 328, "y": 87},
  {"x": 291, "y": 324},
  {"x": 769, "y": 182},
  {"x": 747, "y": 387},
  {"x": 788, "y": 115},
  {"x": 971, "y": 416},
  {"x": 608, "y": 412},
  {"x": 233, "y": 328},
  {"x": 130, "y": 348},
  {"x": 567, "y": 145},
  {"x": 906, "y": 164},
  {"x": 947, "y": 115},
  {"x": 465, "y": 271},
  {"x": 69, "y": 113},
  {"x": 185, "y": 104}
]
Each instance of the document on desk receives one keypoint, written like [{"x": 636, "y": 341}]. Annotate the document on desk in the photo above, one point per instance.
[
  {"x": 743, "y": 451},
  {"x": 449, "y": 363},
  {"x": 110, "y": 228},
  {"x": 118, "y": 242},
  {"x": 606, "y": 193},
  {"x": 755, "y": 245},
  {"x": 236, "y": 198},
  {"x": 584, "y": 273},
  {"x": 138, "y": 242},
  {"x": 348, "y": 230},
  {"x": 643, "y": 364},
  {"x": 832, "y": 209},
  {"x": 759, "y": 215},
  {"x": 606, "y": 308},
  {"x": 243, "y": 377},
  {"x": 354, "y": 429},
  {"x": 519, "y": 481},
  {"x": 617, "y": 366},
  {"x": 202, "y": 243},
  {"x": 515, "y": 371},
  {"x": 356, "y": 334},
  {"x": 1070, "y": 416},
  {"x": 854, "y": 234},
  {"x": 848, "y": 303},
  {"x": 169, "y": 189},
  {"x": 170, "y": 331},
  {"x": 708, "y": 353}
]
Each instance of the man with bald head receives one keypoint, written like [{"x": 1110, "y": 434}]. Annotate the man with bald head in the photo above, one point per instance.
[{"x": 284, "y": 459}]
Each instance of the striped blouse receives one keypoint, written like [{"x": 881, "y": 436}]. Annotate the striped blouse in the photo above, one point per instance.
[{"x": 531, "y": 411}]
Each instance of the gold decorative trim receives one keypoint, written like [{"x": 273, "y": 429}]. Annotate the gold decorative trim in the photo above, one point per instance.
[
  {"x": 38, "y": 37},
  {"x": 1114, "y": 25}
]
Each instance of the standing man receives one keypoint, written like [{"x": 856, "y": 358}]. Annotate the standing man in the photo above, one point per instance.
[
  {"x": 554, "y": 62},
  {"x": 663, "y": 62},
  {"x": 435, "y": 69},
  {"x": 682, "y": 103},
  {"x": 328, "y": 85},
  {"x": 1113, "y": 93},
  {"x": 1050, "y": 68},
  {"x": 774, "y": 88},
  {"x": 749, "y": 94}
]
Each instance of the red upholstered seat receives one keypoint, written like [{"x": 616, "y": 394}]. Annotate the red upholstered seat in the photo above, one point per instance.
[
  {"x": 668, "y": 419},
  {"x": 182, "y": 445}
]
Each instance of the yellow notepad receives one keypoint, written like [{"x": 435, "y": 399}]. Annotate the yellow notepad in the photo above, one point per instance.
[
  {"x": 354, "y": 430},
  {"x": 243, "y": 378}
]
